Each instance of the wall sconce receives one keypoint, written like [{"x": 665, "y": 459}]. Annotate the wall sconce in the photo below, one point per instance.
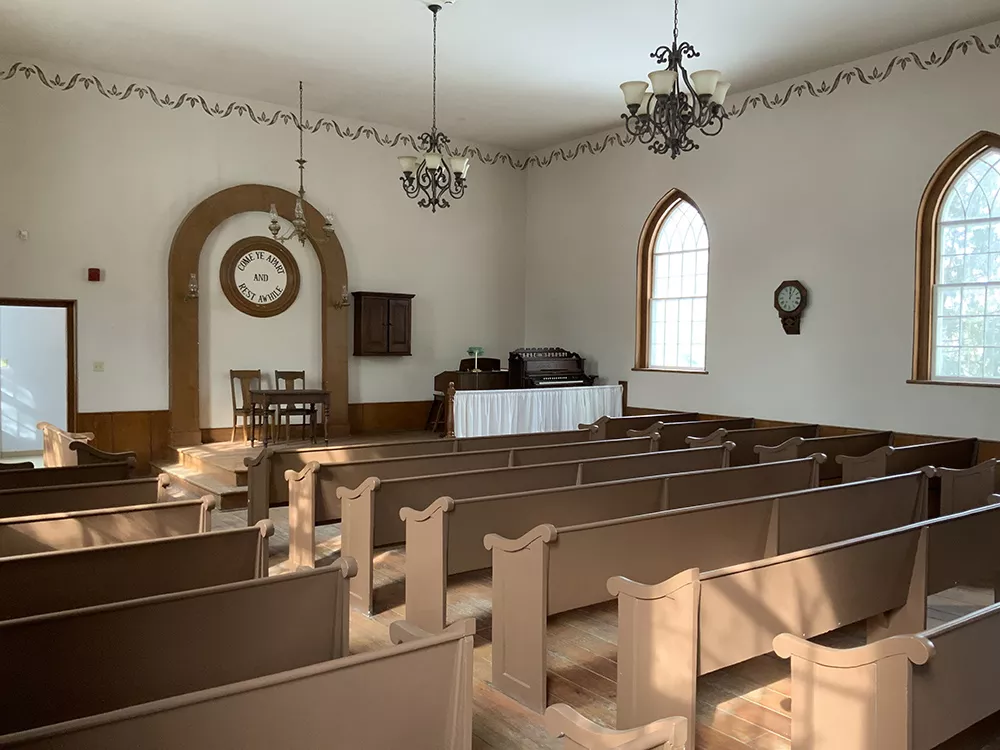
[
  {"x": 344, "y": 300},
  {"x": 192, "y": 287}
]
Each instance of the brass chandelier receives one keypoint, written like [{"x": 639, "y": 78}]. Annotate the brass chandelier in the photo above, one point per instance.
[
  {"x": 433, "y": 176},
  {"x": 679, "y": 102}
]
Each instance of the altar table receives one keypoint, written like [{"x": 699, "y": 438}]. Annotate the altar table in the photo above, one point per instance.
[
  {"x": 519, "y": 410},
  {"x": 265, "y": 399}
]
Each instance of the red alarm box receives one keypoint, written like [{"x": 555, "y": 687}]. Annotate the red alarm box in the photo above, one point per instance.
[{"x": 93, "y": 274}]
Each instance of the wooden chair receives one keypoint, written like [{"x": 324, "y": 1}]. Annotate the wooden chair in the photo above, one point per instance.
[
  {"x": 248, "y": 379},
  {"x": 285, "y": 380}
]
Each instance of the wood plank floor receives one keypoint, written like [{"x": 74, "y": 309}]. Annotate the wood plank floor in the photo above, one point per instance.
[{"x": 745, "y": 707}]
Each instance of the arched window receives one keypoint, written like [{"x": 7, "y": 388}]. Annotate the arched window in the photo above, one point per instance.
[
  {"x": 672, "y": 289},
  {"x": 958, "y": 268}
]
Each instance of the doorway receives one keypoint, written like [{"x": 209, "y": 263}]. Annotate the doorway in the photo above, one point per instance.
[{"x": 37, "y": 372}]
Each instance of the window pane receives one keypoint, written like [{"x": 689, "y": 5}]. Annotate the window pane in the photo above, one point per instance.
[
  {"x": 698, "y": 356},
  {"x": 688, "y": 288},
  {"x": 993, "y": 331},
  {"x": 993, "y": 300},
  {"x": 951, "y": 269},
  {"x": 970, "y": 363},
  {"x": 973, "y": 300},
  {"x": 700, "y": 308},
  {"x": 949, "y": 302},
  {"x": 952, "y": 239},
  {"x": 976, "y": 268},
  {"x": 973, "y": 331},
  {"x": 991, "y": 363},
  {"x": 946, "y": 363},
  {"x": 701, "y": 286},
  {"x": 949, "y": 331},
  {"x": 978, "y": 239},
  {"x": 995, "y": 265}
]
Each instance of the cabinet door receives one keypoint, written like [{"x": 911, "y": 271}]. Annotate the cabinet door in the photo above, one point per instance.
[
  {"x": 374, "y": 325},
  {"x": 399, "y": 326}
]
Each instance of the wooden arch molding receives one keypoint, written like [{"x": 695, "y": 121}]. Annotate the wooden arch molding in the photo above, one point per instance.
[
  {"x": 185, "y": 253},
  {"x": 927, "y": 225}
]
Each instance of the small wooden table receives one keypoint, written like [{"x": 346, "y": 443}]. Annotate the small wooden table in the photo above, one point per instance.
[{"x": 265, "y": 399}]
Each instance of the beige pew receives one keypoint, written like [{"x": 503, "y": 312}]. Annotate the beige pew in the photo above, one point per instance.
[
  {"x": 447, "y": 537},
  {"x": 888, "y": 460},
  {"x": 55, "y": 444},
  {"x": 25, "y": 535},
  {"x": 551, "y": 570},
  {"x": 579, "y": 733},
  {"x": 36, "y": 501},
  {"x": 610, "y": 428},
  {"x": 417, "y": 695},
  {"x": 909, "y": 692},
  {"x": 698, "y": 623},
  {"x": 964, "y": 489},
  {"x": 746, "y": 440},
  {"x": 858, "y": 444},
  {"x": 371, "y": 511},
  {"x": 58, "y": 475},
  {"x": 330, "y": 477},
  {"x": 71, "y": 579},
  {"x": 82, "y": 662}
]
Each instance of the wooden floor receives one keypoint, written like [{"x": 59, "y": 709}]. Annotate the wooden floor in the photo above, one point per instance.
[{"x": 740, "y": 708}]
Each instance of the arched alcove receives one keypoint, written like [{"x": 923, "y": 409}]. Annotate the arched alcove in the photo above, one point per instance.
[{"x": 185, "y": 252}]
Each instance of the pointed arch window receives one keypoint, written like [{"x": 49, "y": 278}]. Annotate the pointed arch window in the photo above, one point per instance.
[
  {"x": 672, "y": 289},
  {"x": 958, "y": 284}
]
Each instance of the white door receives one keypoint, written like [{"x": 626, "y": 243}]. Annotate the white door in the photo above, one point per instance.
[{"x": 33, "y": 372}]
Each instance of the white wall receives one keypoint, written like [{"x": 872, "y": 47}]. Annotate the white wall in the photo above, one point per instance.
[
  {"x": 32, "y": 375},
  {"x": 105, "y": 183},
  {"x": 822, "y": 190}
]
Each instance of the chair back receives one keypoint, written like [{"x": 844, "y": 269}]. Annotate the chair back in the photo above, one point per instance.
[
  {"x": 246, "y": 380},
  {"x": 284, "y": 380}
]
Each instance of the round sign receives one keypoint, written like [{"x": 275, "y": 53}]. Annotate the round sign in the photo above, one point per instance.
[{"x": 259, "y": 277}]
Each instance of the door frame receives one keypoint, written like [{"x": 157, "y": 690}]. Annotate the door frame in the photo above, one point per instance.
[{"x": 69, "y": 305}]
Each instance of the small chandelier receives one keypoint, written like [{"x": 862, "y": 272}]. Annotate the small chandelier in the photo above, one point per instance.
[
  {"x": 433, "y": 176},
  {"x": 664, "y": 118},
  {"x": 299, "y": 227}
]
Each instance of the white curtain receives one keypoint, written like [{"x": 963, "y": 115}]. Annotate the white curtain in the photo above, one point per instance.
[{"x": 510, "y": 412}]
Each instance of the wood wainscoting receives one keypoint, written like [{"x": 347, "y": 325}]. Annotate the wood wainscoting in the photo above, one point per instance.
[
  {"x": 392, "y": 416},
  {"x": 145, "y": 432}
]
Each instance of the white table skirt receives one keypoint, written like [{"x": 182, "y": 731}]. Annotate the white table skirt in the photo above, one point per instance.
[{"x": 519, "y": 410}]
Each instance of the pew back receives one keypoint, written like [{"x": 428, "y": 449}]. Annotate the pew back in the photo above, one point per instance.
[
  {"x": 858, "y": 444},
  {"x": 36, "y": 501},
  {"x": 746, "y": 440},
  {"x": 61, "y": 475},
  {"x": 674, "y": 435},
  {"x": 68, "y": 665},
  {"x": 610, "y": 428},
  {"x": 964, "y": 489},
  {"x": 887, "y": 460}
]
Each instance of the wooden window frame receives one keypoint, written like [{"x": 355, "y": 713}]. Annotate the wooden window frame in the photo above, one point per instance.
[
  {"x": 644, "y": 280},
  {"x": 926, "y": 264}
]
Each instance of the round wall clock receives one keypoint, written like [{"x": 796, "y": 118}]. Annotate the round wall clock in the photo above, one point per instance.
[
  {"x": 790, "y": 299},
  {"x": 259, "y": 277}
]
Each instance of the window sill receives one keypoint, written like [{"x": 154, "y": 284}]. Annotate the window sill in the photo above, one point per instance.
[
  {"x": 667, "y": 369},
  {"x": 953, "y": 382}
]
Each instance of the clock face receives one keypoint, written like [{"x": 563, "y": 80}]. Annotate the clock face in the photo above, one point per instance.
[
  {"x": 259, "y": 277},
  {"x": 789, "y": 298}
]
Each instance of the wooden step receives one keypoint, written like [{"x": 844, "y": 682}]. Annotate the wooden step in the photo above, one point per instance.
[{"x": 198, "y": 484}]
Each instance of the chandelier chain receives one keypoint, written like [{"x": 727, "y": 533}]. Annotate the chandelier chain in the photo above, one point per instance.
[
  {"x": 434, "y": 85},
  {"x": 302, "y": 160},
  {"x": 676, "y": 20}
]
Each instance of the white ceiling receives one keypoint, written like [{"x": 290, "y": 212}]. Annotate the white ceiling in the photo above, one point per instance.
[{"x": 522, "y": 74}]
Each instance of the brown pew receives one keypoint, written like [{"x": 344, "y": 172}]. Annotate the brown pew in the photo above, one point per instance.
[
  {"x": 551, "y": 570},
  {"x": 697, "y": 623},
  {"x": 964, "y": 489},
  {"x": 88, "y": 454},
  {"x": 746, "y": 440},
  {"x": 330, "y": 477},
  {"x": 67, "y": 665},
  {"x": 447, "y": 537},
  {"x": 71, "y": 579},
  {"x": 610, "y": 428},
  {"x": 888, "y": 460},
  {"x": 36, "y": 501},
  {"x": 57, "y": 475},
  {"x": 55, "y": 444},
  {"x": 579, "y": 733},
  {"x": 909, "y": 692},
  {"x": 26, "y": 535},
  {"x": 674, "y": 435},
  {"x": 857, "y": 444},
  {"x": 16, "y": 466},
  {"x": 423, "y": 685},
  {"x": 371, "y": 511}
]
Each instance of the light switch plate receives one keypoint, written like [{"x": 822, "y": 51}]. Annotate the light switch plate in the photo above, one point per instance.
[{"x": 98, "y": 367}]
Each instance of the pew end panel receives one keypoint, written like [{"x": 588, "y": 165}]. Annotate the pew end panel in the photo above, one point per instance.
[
  {"x": 964, "y": 489},
  {"x": 56, "y": 442},
  {"x": 869, "y": 466},
  {"x": 716, "y": 438},
  {"x": 785, "y": 451},
  {"x": 427, "y": 564},
  {"x": 88, "y": 454},
  {"x": 258, "y": 486},
  {"x": 579, "y": 733},
  {"x": 357, "y": 538},
  {"x": 302, "y": 515}
]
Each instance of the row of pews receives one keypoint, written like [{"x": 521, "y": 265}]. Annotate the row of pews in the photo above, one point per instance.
[{"x": 720, "y": 541}]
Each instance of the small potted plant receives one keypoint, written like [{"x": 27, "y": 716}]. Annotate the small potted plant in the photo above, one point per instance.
[{"x": 477, "y": 352}]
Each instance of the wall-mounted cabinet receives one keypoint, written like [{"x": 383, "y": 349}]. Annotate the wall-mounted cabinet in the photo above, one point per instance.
[{"x": 382, "y": 324}]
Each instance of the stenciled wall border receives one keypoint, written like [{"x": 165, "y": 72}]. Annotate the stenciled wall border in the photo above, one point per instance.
[{"x": 752, "y": 102}]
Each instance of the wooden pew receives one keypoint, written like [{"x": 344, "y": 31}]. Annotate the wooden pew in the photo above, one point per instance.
[
  {"x": 71, "y": 579},
  {"x": 87, "y": 454},
  {"x": 888, "y": 460},
  {"x": 551, "y": 570},
  {"x": 419, "y": 690},
  {"x": 36, "y": 501},
  {"x": 964, "y": 489},
  {"x": 746, "y": 440},
  {"x": 579, "y": 733},
  {"x": 83, "y": 662},
  {"x": 26, "y": 535},
  {"x": 858, "y": 444},
  {"x": 55, "y": 444},
  {"x": 58, "y": 475},
  {"x": 7, "y": 466},
  {"x": 610, "y": 428},
  {"x": 697, "y": 623},
  {"x": 370, "y": 512},
  {"x": 447, "y": 537},
  {"x": 908, "y": 692},
  {"x": 674, "y": 435},
  {"x": 332, "y": 476}
]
